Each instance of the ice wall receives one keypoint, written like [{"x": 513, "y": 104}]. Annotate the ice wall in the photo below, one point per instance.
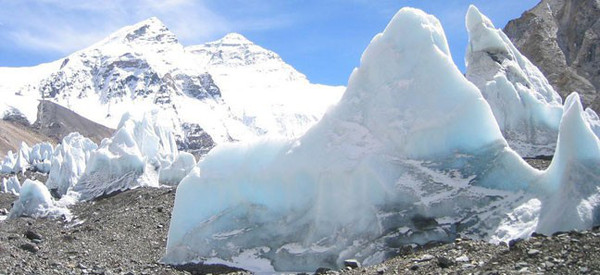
[
  {"x": 526, "y": 107},
  {"x": 411, "y": 151}
]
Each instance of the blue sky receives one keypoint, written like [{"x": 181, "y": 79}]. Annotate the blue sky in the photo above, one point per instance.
[{"x": 321, "y": 38}]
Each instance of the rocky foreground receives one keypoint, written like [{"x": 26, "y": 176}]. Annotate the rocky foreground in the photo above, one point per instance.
[
  {"x": 122, "y": 234},
  {"x": 126, "y": 234}
]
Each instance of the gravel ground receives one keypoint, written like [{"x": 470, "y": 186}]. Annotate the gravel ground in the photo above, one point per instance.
[
  {"x": 126, "y": 234},
  {"x": 564, "y": 253},
  {"x": 122, "y": 234},
  {"x": 539, "y": 163}
]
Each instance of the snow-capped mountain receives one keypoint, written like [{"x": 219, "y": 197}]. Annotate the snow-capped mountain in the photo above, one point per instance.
[
  {"x": 261, "y": 88},
  {"x": 143, "y": 67}
]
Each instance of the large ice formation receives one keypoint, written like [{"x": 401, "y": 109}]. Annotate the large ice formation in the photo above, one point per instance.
[
  {"x": 131, "y": 158},
  {"x": 22, "y": 159},
  {"x": 40, "y": 156},
  {"x": 525, "y": 105},
  {"x": 35, "y": 201},
  {"x": 403, "y": 158},
  {"x": 573, "y": 177},
  {"x": 8, "y": 163},
  {"x": 69, "y": 162},
  {"x": 527, "y": 108}
]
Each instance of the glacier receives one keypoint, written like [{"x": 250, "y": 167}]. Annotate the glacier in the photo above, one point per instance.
[
  {"x": 403, "y": 158},
  {"x": 573, "y": 177},
  {"x": 526, "y": 107}
]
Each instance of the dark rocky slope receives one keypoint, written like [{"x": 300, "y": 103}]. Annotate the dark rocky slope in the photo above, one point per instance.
[
  {"x": 12, "y": 133},
  {"x": 53, "y": 123},
  {"x": 562, "y": 38},
  {"x": 56, "y": 121}
]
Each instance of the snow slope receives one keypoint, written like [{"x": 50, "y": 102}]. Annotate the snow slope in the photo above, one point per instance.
[{"x": 403, "y": 158}]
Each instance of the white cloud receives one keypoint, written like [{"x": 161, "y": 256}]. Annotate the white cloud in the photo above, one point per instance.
[{"x": 63, "y": 26}]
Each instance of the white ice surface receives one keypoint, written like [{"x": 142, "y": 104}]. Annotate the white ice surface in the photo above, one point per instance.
[
  {"x": 573, "y": 178},
  {"x": 174, "y": 172},
  {"x": 131, "y": 158},
  {"x": 343, "y": 186},
  {"x": 68, "y": 162},
  {"x": 11, "y": 185},
  {"x": 526, "y": 107}
]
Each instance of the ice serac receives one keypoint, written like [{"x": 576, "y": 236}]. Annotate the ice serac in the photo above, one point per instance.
[
  {"x": 35, "y": 158},
  {"x": 131, "y": 158},
  {"x": 22, "y": 159},
  {"x": 573, "y": 175},
  {"x": 526, "y": 107},
  {"x": 178, "y": 169},
  {"x": 11, "y": 185},
  {"x": 68, "y": 163},
  {"x": 403, "y": 158}
]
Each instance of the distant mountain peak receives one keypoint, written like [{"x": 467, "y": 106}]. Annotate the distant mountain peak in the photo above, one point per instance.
[
  {"x": 235, "y": 50},
  {"x": 150, "y": 31},
  {"x": 235, "y": 39}
]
